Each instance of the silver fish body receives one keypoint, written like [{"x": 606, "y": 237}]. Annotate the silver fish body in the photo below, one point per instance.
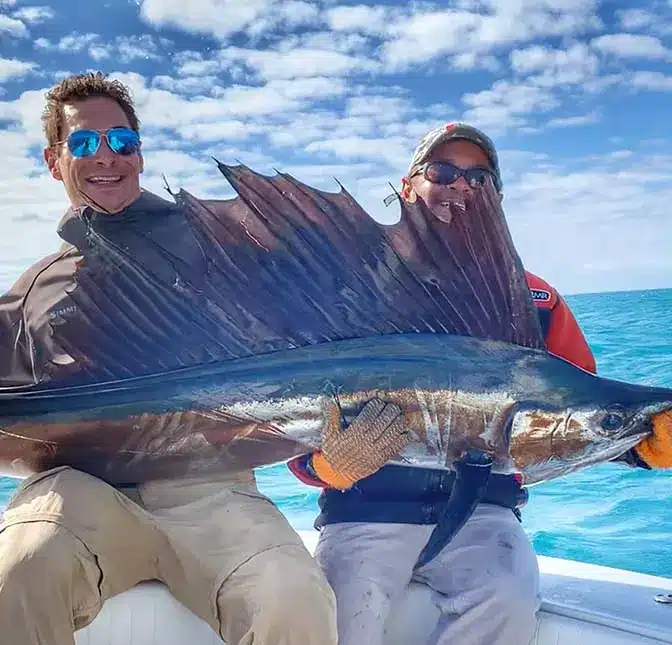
[{"x": 531, "y": 412}]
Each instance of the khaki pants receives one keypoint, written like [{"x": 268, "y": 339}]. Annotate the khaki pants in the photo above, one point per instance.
[{"x": 69, "y": 541}]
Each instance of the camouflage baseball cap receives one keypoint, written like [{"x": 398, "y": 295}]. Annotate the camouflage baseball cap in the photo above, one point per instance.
[{"x": 450, "y": 132}]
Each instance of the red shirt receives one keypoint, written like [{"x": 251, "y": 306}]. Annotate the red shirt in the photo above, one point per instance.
[{"x": 563, "y": 336}]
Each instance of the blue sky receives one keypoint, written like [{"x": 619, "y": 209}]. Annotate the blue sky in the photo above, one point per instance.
[{"x": 577, "y": 95}]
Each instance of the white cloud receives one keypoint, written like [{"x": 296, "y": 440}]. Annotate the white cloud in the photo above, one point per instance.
[
  {"x": 179, "y": 165},
  {"x": 273, "y": 64},
  {"x": 12, "y": 26},
  {"x": 13, "y": 68},
  {"x": 295, "y": 13},
  {"x": 470, "y": 61},
  {"x": 655, "y": 19},
  {"x": 613, "y": 156},
  {"x": 310, "y": 55},
  {"x": 31, "y": 205},
  {"x": 126, "y": 49},
  {"x": 362, "y": 18},
  {"x": 601, "y": 83},
  {"x": 533, "y": 58},
  {"x": 283, "y": 16},
  {"x": 193, "y": 64},
  {"x": 316, "y": 87},
  {"x": 572, "y": 121},
  {"x": 538, "y": 58},
  {"x": 324, "y": 174},
  {"x": 298, "y": 12},
  {"x": 556, "y": 67},
  {"x": 506, "y": 104},
  {"x": 359, "y": 179},
  {"x": 347, "y": 43},
  {"x": 24, "y": 113},
  {"x": 142, "y": 47},
  {"x": 199, "y": 84},
  {"x": 366, "y": 117},
  {"x": 655, "y": 81},
  {"x": 101, "y": 52},
  {"x": 631, "y": 46},
  {"x": 34, "y": 15},
  {"x": 426, "y": 35},
  {"x": 303, "y": 127},
  {"x": 385, "y": 108},
  {"x": 389, "y": 149},
  {"x": 219, "y": 131},
  {"x": 243, "y": 100},
  {"x": 219, "y": 18},
  {"x": 162, "y": 108},
  {"x": 609, "y": 217},
  {"x": 636, "y": 18},
  {"x": 74, "y": 42}
]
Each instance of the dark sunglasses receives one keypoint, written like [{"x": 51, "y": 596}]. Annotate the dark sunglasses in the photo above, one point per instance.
[
  {"x": 84, "y": 143},
  {"x": 445, "y": 173}
]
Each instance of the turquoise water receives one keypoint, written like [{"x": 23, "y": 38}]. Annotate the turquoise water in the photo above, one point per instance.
[{"x": 607, "y": 514}]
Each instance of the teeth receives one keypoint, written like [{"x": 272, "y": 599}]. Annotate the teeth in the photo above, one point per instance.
[
  {"x": 105, "y": 179},
  {"x": 457, "y": 203}
]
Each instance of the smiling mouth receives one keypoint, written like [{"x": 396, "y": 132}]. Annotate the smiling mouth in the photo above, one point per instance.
[
  {"x": 104, "y": 180},
  {"x": 455, "y": 201},
  {"x": 445, "y": 209}
]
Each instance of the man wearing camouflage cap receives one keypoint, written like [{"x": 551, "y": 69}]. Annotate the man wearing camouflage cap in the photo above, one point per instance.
[
  {"x": 452, "y": 132},
  {"x": 485, "y": 580}
]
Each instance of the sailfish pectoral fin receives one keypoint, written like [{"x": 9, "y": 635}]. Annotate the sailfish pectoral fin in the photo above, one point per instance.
[{"x": 471, "y": 480}]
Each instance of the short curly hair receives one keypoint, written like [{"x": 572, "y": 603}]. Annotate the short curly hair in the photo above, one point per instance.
[{"x": 78, "y": 88}]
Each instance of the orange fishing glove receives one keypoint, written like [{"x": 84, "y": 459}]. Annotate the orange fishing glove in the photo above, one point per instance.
[
  {"x": 656, "y": 450},
  {"x": 349, "y": 454}
]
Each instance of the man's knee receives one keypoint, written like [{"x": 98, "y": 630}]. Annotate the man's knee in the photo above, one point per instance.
[
  {"x": 42, "y": 562},
  {"x": 293, "y": 588},
  {"x": 302, "y": 596},
  {"x": 514, "y": 596},
  {"x": 33, "y": 552},
  {"x": 290, "y": 600},
  {"x": 513, "y": 582}
]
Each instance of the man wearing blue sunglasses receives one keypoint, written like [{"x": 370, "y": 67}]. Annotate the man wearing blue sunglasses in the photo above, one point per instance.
[
  {"x": 95, "y": 151},
  {"x": 69, "y": 541}
]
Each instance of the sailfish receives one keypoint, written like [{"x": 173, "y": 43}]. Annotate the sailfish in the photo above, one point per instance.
[{"x": 305, "y": 310}]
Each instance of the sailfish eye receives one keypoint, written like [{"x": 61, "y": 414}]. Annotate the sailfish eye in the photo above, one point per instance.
[{"x": 612, "y": 421}]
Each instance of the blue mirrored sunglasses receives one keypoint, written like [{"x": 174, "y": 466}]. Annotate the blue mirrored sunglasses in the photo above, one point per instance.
[{"x": 84, "y": 143}]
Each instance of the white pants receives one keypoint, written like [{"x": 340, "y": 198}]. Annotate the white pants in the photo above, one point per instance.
[{"x": 485, "y": 582}]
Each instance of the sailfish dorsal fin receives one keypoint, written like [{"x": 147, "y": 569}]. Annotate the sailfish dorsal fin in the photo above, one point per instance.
[{"x": 289, "y": 266}]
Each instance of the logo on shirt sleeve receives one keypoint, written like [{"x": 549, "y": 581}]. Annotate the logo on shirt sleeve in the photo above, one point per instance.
[{"x": 540, "y": 295}]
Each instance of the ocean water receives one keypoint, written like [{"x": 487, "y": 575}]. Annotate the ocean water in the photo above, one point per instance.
[{"x": 608, "y": 514}]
